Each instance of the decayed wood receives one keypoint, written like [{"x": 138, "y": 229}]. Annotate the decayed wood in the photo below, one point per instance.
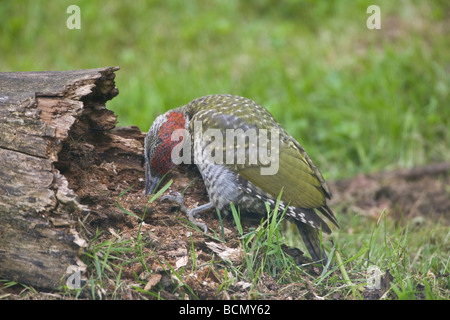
[{"x": 53, "y": 124}]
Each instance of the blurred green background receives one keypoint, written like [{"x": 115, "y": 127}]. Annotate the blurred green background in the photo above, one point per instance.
[{"x": 358, "y": 100}]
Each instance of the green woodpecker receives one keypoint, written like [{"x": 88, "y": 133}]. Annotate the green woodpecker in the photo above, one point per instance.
[{"x": 246, "y": 158}]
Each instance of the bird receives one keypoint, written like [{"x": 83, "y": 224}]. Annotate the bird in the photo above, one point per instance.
[{"x": 246, "y": 159}]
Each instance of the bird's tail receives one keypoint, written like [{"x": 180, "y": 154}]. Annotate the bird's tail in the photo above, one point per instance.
[{"x": 312, "y": 242}]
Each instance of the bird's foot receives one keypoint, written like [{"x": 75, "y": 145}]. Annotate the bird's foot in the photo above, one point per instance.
[{"x": 177, "y": 198}]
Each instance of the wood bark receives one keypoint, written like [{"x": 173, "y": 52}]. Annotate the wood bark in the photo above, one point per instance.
[{"x": 56, "y": 135}]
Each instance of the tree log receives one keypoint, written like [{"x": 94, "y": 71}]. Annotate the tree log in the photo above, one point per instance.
[{"x": 57, "y": 142}]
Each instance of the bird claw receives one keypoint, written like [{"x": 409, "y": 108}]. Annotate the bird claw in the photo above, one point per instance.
[
  {"x": 178, "y": 199},
  {"x": 174, "y": 197}
]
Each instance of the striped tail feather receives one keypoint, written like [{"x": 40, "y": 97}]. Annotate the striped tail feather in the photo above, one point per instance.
[{"x": 312, "y": 242}]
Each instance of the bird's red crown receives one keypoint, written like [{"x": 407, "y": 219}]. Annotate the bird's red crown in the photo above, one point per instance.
[{"x": 162, "y": 162}]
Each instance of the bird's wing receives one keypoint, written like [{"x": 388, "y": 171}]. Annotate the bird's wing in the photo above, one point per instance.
[
  {"x": 301, "y": 186},
  {"x": 302, "y": 183}
]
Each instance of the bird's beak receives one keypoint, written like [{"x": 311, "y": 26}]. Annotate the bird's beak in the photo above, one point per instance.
[
  {"x": 150, "y": 184},
  {"x": 151, "y": 181}
]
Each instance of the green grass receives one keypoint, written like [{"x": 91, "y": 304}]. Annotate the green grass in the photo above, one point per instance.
[
  {"x": 418, "y": 262},
  {"x": 262, "y": 249},
  {"x": 356, "y": 99},
  {"x": 415, "y": 255}
]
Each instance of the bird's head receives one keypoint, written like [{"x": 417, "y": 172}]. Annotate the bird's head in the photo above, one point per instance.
[{"x": 158, "y": 147}]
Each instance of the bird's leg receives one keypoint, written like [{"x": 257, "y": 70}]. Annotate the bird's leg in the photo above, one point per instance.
[{"x": 177, "y": 198}]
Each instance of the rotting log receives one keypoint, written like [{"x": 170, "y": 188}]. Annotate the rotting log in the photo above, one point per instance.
[{"x": 60, "y": 156}]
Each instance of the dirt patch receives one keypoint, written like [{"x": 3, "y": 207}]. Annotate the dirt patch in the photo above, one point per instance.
[
  {"x": 419, "y": 193},
  {"x": 171, "y": 242}
]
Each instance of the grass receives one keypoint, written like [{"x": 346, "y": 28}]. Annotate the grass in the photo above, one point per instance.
[
  {"x": 358, "y": 100},
  {"x": 107, "y": 259},
  {"x": 418, "y": 265},
  {"x": 262, "y": 248},
  {"x": 415, "y": 256},
  {"x": 412, "y": 257}
]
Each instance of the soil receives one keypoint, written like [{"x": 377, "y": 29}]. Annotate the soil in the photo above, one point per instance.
[{"x": 419, "y": 193}]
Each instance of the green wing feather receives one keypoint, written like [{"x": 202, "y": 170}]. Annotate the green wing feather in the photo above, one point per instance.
[
  {"x": 301, "y": 187},
  {"x": 302, "y": 183}
]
